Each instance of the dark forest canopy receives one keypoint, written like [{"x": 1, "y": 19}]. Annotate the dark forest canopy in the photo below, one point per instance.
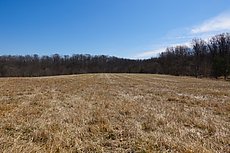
[{"x": 204, "y": 59}]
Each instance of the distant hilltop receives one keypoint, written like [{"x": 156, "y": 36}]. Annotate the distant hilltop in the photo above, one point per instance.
[{"x": 205, "y": 58}]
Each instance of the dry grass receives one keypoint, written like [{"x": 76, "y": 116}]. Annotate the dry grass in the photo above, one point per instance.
[{"x": 114, "y": 113}]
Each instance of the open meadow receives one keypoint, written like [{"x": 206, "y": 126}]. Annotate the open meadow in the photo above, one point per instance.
[{"x": 114, "y": 113}]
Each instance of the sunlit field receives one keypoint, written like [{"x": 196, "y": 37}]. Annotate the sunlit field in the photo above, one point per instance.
[{"x": 114, "y": 113}]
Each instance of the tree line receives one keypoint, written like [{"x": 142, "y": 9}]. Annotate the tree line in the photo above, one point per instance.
[
  {"x": 202, "y": 59},
  {"x": 33, "y": 65}
]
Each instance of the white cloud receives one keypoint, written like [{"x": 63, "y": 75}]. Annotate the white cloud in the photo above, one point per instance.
[
  {"x": 220, "y": 23},
  {"x": 184, "y": 36},
  {"x": 156, "y": 52},
  {"x": 150, "y": 53},
  {"x": 188, "y": 43}
]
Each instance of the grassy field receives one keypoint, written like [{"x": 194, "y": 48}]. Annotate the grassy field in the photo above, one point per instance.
[{"x": 114, "y": 113}]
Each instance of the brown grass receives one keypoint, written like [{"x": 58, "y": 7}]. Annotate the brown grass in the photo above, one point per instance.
[{"x": 114, "y": 113}]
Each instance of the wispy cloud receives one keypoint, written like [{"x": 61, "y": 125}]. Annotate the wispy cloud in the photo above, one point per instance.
[
  {"x": 220, "y": 23},
  {"x": 205, "y": 30},
  {"x": 156, "y": 52},
  {"x": 150, "y": 53}
]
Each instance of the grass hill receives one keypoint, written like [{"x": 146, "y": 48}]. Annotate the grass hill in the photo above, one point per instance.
[{"x": 114, "y": 113}]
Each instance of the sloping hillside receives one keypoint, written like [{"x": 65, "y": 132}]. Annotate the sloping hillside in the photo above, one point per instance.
[{"x": 114, "y": 113}]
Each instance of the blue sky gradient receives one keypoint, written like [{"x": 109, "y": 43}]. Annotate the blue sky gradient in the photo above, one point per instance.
[{"x": 123, "y": 28}]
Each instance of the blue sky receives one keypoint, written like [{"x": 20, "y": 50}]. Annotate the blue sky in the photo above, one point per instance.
[{"x": 123, "y": 28}]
